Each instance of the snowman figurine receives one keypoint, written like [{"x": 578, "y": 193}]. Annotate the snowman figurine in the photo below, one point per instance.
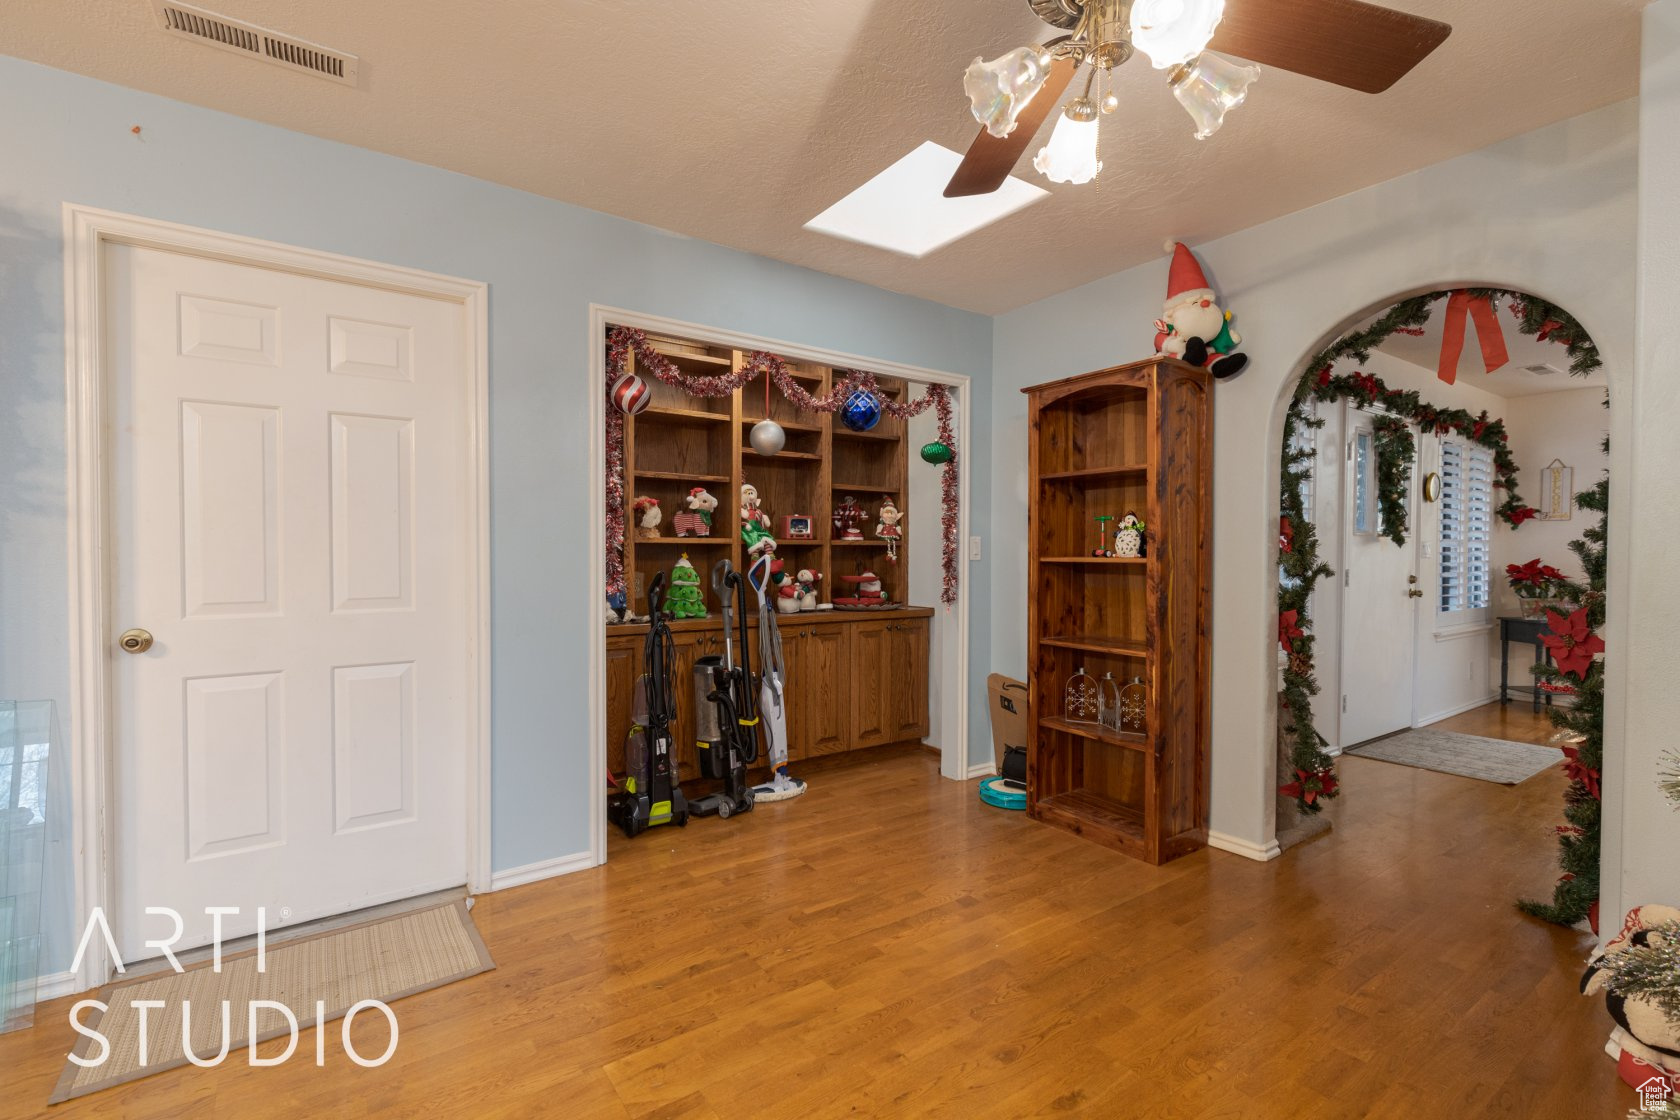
[{"x": 1128, "y": 539}]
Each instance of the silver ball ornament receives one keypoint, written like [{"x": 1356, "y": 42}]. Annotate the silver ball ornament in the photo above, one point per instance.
[{"x": 768, "y": 437}]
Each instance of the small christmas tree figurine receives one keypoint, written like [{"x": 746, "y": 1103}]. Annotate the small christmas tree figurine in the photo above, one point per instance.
[{"x": 685, "y": 600}]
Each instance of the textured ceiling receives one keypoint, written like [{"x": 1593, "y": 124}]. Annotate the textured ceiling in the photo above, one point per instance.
[
  {"x": 737, "y": 122},
  {"x": 1510, "y": 380}
]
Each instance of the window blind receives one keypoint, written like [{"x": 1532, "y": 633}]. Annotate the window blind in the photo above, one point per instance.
[{"x": 1466, "y": 526}]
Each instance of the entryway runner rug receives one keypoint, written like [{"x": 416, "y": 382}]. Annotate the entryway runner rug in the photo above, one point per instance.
[
  {"x": 1468, "y": 756},
  {"x": 385, "y": 959}
]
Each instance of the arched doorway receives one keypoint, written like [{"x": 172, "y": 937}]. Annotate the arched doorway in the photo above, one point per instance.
[{"x": 1425, "y": 446}]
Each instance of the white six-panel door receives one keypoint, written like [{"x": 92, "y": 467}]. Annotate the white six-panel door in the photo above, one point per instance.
[{"x": 290, "y": 520}]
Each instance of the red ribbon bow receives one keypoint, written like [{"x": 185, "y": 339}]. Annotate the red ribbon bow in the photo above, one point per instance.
[{"x": 1461, "y": 305}]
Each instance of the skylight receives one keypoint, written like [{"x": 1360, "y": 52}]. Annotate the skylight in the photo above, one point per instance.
[{"x": 904, "y": 209}]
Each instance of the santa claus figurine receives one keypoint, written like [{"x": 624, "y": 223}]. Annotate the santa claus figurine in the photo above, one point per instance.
[{"x": 1193, "y": 326}]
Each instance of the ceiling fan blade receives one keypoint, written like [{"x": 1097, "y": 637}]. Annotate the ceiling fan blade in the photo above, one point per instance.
[
  {"x": 1346, "y": 42},
  {"x": 990, "y": 159}
]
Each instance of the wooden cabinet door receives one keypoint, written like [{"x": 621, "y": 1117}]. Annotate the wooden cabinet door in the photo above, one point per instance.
[
  {"x": 689, "y": 649},
  {"x": 907, "y": 680},
  {"x": 869, "y": 699},
  {"x": 819, "y": 689},
  {"x": 624, "y": 667}
]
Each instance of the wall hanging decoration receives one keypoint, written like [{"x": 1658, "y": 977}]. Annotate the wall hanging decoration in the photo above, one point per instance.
[
  {"x": 1192, "y": 326},
  {"x": 623, "y": 341},
  {"x": 1557, "y": 490},
  {"x": 1391, "y": 439},
  {"x": 862, "y": 410},
  {"x": 1081, "y": 699}
]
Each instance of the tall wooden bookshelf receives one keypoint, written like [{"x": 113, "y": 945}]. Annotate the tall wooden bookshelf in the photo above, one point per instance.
[
  {"x": 682, "y": 441},
  {"x": 1133, "y": 438}
]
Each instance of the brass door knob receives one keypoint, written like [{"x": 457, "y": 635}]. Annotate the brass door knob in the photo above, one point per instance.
[
  {"x": 1415, "y": 593},
  {"x": 135, "y": 641}
]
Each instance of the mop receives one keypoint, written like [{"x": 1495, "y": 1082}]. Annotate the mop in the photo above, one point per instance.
[{"x": 772, "y": 690}]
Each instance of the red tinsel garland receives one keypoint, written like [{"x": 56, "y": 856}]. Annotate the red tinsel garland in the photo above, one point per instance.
[{"x": 621, "y": 341}]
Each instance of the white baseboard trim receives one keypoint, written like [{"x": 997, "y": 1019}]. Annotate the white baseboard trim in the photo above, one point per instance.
[
  {"x": 1245, "y": 848},
  {"x": 542, "y": 869},
  {"x": 981, "y": 770},
  {"x": 1459, "y": 710}
]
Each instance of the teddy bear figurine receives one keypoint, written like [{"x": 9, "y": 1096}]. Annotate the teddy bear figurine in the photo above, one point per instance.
[
  {"x": 648, "y": 517},
  {"x": 806, "y": 582},
  {"x": 696, "y": 520}
]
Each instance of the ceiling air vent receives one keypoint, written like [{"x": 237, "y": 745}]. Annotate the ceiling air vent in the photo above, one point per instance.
[
  {"x": 1542, "y": 370},
  {"x": 239, "y": 37}
]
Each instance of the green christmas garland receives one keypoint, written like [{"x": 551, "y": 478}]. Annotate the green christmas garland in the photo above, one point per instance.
[
  {"x": 1576, "y": 893},
  {"x": 1314, "y": 777}
]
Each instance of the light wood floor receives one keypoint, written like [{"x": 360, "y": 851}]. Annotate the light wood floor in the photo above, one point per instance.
[{"x": 889, "y": 946}]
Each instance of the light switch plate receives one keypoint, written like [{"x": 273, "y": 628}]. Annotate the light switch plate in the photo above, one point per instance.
[{"x": 974, "y": 548}]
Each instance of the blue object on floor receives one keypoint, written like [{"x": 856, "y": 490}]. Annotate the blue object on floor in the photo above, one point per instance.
[{"x": 996, "y": 791}]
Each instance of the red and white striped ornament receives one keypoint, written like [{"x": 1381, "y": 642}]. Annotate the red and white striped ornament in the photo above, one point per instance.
[{"x": 631, "y": 395}]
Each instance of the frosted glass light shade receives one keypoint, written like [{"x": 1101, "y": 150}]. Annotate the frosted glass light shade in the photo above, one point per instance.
[
  {"x": 1210, "y": 88},
  {"x": 1172, "y": 32},
  {"x": 1000, "y": 89},
  {"x": 1071, "y": 155}
]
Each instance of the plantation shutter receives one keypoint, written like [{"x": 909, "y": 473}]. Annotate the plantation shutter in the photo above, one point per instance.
[{"x": 1466, "y": 526}]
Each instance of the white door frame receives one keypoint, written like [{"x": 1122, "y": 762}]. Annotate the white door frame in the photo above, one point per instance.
[
  {"x": 86, "y": 233},
  {"x": 953, "y": 758}
]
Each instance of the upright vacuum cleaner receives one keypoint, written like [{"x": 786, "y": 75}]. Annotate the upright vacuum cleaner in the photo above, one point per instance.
[
  {"x": 726, "y": 717},
  {"x": 772, "y": 690},
  {"x": 651, "y": 795}
]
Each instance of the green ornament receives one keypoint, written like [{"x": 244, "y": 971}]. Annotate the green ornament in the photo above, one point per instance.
[{"x": 937, "y": 453}]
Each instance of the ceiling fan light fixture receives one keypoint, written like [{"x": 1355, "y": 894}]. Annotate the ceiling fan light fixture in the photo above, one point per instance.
[
  {"x": 1000, "y": 89},
  {"x": 1172, "y": 32},
  {"x": 1209, "y": 88},
  {"x": 1071, "y": 155}
]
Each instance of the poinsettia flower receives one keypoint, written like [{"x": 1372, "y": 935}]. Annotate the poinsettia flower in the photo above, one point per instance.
[
  {"x": 1324, "y": 378},
  {"x": 1580, "y": 772},
  {"x": 1288, "y": 631},
  {"x": 1521, "y": 514},
  {"x": 1309, "y": 786},
  {"x": 1286, "y": 535},
  {"x": 1572, "y": 642},
  {"x": 1551, "y": 574},
  {"x": 1524, "y": 573}
]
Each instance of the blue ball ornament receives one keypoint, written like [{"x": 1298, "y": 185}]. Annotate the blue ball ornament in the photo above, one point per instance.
[{"x": 862, "y": 410}]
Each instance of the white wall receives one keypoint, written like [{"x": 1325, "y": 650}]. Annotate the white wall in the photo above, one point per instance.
[
  {"x": 1642, "y": 834},
  {"x": 1552, "y": 212},
  {"x": 923, "y": 546}
]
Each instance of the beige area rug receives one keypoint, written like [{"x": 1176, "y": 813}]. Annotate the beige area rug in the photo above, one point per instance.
[
  {"x": 1468, "y": 756},
  {"x": 385, "y": 959}
]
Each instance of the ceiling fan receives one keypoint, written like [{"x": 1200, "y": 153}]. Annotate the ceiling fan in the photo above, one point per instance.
[{"x": 1346, "y": 42}]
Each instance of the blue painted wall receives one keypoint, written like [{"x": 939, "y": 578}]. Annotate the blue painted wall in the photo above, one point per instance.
[{"x": 67, "y": 138}]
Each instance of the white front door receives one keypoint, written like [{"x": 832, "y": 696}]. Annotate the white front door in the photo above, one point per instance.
[
  {"x": 291, "y": 522},
  {"x": 1379, "y": 611}
]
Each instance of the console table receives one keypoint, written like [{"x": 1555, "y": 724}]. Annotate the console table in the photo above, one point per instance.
[{"x": 1527, "y": 631}]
